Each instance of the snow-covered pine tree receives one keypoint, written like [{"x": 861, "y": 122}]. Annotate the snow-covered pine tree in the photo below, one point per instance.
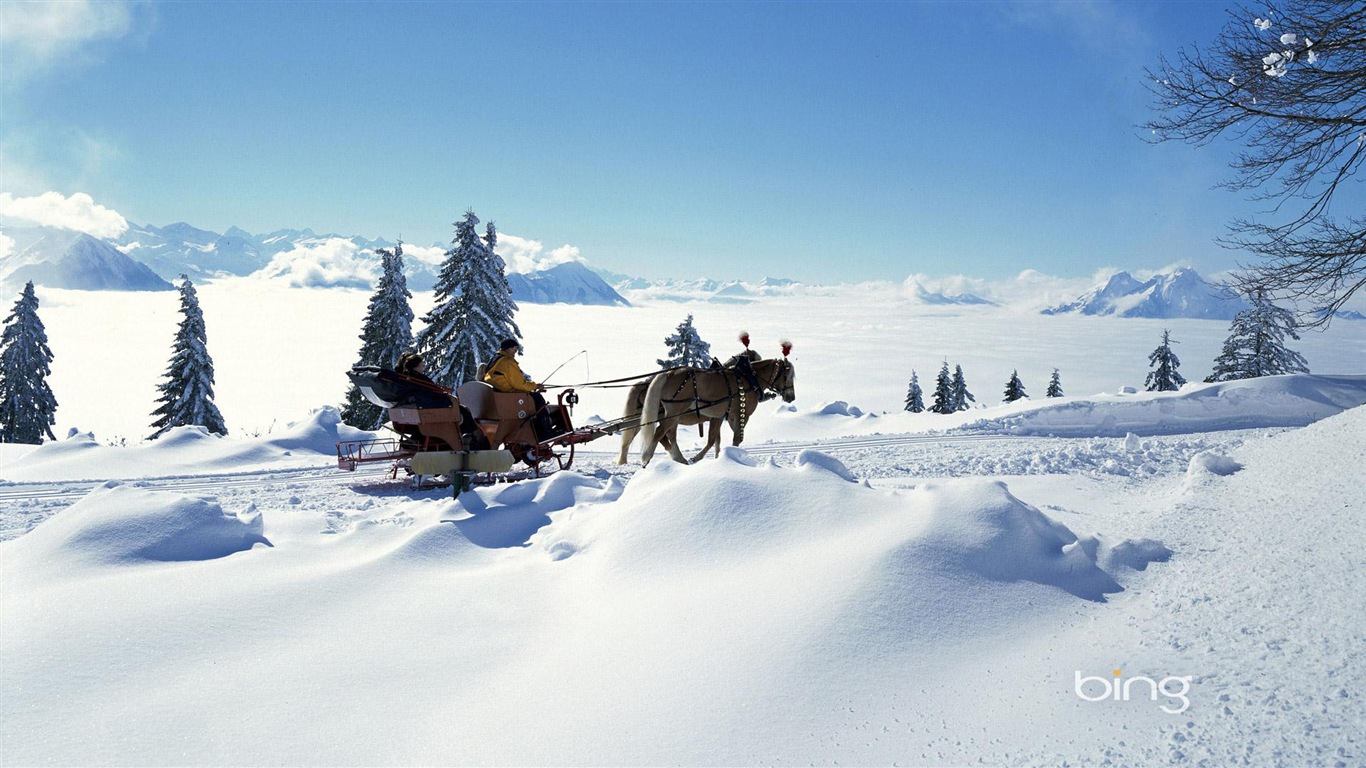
[
  {"x": 27, "y": 406},
  {"x": 1164, "y": 377},
  {"x": 474, "y": 308},
  {"x": 1256, "y": 344},
  {"x": 386, "y": 333},
  {"x": 915, "y": 397},
  {"x": 961, "y": 395},
  {"x": 187, "y": 393},
  {"x": 1014, "y": 388},
  {"x": 1054, "y": 385},
  {"x": 943, "y": 392},
  {"x": 686, "y": 348}
]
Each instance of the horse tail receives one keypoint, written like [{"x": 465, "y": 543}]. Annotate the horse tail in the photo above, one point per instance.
[
  {"x": 649, "y": 413},
  {"x": 631, "y": 418}
]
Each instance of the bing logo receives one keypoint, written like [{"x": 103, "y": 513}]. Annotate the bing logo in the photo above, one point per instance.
[{"x": 1114, "y": 688}]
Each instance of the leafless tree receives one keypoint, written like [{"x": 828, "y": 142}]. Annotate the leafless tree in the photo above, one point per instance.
[{"x": 1288, "y": 83}]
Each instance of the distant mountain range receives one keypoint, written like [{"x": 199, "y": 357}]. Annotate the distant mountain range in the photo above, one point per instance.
[
  {"x": 149, "y": 258},
  {"x": 713, "y": 291},
  {"x": 63, "y": 259},
  {"x": 922, "y": 295},
  {"x": 146, "y": 257},
  {"x": 1179, "y": 293}
]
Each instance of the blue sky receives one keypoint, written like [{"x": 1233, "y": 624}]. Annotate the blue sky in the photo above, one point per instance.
[{"x": 820, "y": 141}]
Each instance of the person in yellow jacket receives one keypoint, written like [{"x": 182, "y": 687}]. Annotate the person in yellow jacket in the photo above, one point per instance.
[{"x": 505, "y": 375}]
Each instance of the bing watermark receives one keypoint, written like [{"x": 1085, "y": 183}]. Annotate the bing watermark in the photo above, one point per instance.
[{"x": 1117, "y": 688}]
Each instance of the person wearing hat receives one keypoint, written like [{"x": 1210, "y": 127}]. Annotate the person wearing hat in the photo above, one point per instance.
[
  {"x": 426, "y": 393},
  {"x": 505, "y": 375}
]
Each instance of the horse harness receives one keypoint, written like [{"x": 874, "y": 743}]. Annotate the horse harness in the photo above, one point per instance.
[{"x": 743, "y": 369}]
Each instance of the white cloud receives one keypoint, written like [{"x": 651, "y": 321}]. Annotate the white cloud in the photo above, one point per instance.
[
  {"x": 79, "y": 212},
  {"x": 429, "y": 255},
  {"x": 6, "y": 245},
  {"x": 331, "y": 263},
  {"x": 525, "y": 256},
  {"x": 50, "y": 30}
]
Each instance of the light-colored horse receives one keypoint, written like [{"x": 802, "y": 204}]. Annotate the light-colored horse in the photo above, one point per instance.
[
  {"x": 705, "y": 394},
  {"x": 635, "y": 402}
]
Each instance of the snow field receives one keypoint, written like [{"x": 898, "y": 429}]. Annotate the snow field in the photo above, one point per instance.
[{"x": 281, "y": 352}]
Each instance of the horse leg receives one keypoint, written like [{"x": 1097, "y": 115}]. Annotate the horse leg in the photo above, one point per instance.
[
  {"x": 713, "y": 439},
  {"x": 628, "y": 435}
]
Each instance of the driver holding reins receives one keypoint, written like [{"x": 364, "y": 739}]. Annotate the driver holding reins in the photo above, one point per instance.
[{"x": 505, "y": 375}]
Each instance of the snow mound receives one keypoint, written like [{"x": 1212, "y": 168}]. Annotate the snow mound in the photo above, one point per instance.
[
  {"x": 502, "y": 517},
  {"x": 188, "y": 449},
  {"x": 120, "y": 525},
  {"x": 1271, "y": 401},
  {"x": 824, "y": 462},
  {"x": 809, "y": 518},
  {"x": 1212, "y": 463},
  {"x": 837, "y": 408},
  {"x": 980, "y": 527},
  {"x": 319, "y": 433},
  {"x": 179, "y": 438}
]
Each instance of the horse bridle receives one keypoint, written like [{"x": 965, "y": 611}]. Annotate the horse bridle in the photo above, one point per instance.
[{"x": 771, "y": 390}]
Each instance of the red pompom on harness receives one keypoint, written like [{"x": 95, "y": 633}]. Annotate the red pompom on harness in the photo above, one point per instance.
[
  {"x": 744, "y": 338},
  {"x": 787, "y": 347}
]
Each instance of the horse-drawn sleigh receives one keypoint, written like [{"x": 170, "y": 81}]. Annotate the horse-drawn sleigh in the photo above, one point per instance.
[{"x": 478, "y": 435}]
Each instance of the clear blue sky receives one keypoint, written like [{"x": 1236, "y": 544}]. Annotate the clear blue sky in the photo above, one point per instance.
[{"x": 819, "y": 141}]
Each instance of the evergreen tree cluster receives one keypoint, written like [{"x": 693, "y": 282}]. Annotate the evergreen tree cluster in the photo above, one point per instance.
[
  {"x": 686, "y": 348},
  {"x": 951, "y": 392},
  {"x": 474, "y": 308},
  {"x": 27, "y": 405}
]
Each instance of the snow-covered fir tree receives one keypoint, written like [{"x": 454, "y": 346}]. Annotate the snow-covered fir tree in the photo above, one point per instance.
[
  {"x": 959, "y": 388},
  {"x": 686, "y": 348},
  {"x": 1014, "y": 388},
  {"x": 474, "y": 308},
  {"x": 1054, "y": 385},
  {"x": 386, "y": 333},
  {"x": 915, "y": 398},
  {"x": 1164, "y": 377},
  {"x": 943, "y": 392},
  {"x": 187, "y": 392},
  {"x": 1256, "y": 344},
  {"x": 27, "y": 406}
]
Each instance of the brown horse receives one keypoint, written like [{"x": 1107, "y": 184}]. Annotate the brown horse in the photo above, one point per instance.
[
  {"x": 706, "y": 394},
  {"x": 635, "y": 402}
]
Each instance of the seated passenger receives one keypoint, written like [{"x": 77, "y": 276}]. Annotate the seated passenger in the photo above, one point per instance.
[{"x": 425, "y": 393}]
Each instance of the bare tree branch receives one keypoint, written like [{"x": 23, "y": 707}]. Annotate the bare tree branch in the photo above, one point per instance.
[{"x": 1288, "y": 83}]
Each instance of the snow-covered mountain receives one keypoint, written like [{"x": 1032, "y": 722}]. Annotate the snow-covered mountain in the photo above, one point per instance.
[
  {"x": 1179, "y": 293},
  {"x": 705, "y": 289},
  {"x": 64, "y": 259},
  {"x": 918, "y": 293},
  {"x": 202, "y": 254},
  {"x": 570, "y": 283}
]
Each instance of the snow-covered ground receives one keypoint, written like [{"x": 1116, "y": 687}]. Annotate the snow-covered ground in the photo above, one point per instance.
[
  {"x": 854, "y": 588},
  {"x": 280, "y": 352}
]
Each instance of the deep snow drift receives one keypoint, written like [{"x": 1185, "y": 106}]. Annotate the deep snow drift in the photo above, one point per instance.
[{"x": 761, "y": 608}]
